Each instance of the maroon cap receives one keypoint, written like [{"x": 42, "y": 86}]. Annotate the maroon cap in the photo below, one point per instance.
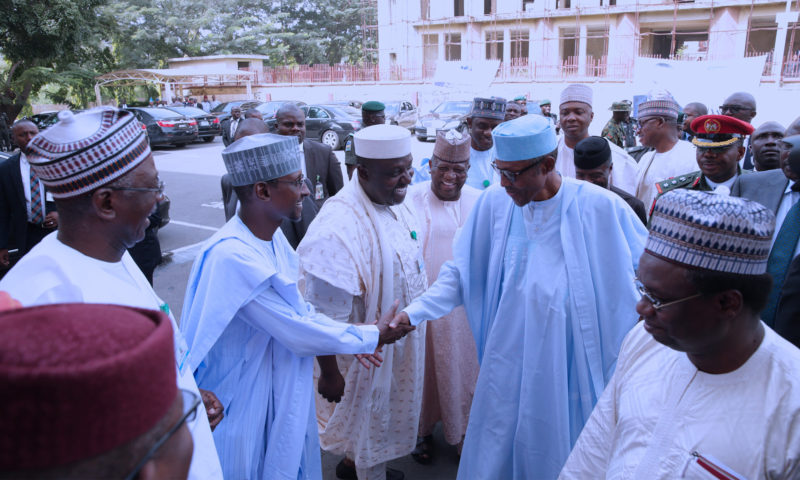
[{"x": 78, "y": 380}]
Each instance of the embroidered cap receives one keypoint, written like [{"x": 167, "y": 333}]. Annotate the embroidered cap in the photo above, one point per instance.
[
  {"x": 261, "y": 157},
  {"x": 711, "y": 232},
  {"x": 714, "y": 131},
  {"x": 524, "y": 138},
  {"x": 84, "y": 151},
  {"x": 577, "y": 93},
  {"x": 382, "y": 142},
  {"x": 659, "y": 107},
  {"x": 452, "y": 146},
  {"x": 494, "y": 107}
]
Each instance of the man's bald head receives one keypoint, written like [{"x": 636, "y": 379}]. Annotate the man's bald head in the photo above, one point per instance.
[
  {"x": 250, "y": 126},
  {"x": 290, "y": 120},
  {"x": 739, "y": 105},
  {"x": 22, "y": 132},
  {"x": 288, "y": 109}
]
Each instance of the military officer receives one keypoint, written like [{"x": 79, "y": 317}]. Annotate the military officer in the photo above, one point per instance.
[
  {"x": 619, "y": 129},
  {"x": 719, "y": 141},
  {"x": 372, "y": 113}
]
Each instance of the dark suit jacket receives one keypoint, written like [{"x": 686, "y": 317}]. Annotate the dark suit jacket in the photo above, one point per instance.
[
  {"x": 227, "y": 138},
  {"x": 765, "y": 188},
  {"x": 635, "y": 203},
  {"x": 787, "y": 316},
  {"x": 13, "y": 211},
  {"x": 321, "y": 161}
]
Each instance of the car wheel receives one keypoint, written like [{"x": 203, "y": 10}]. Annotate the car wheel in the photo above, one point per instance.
[
  {"x": 331, "y": 139},
  {"x": 208, "y": 139}
]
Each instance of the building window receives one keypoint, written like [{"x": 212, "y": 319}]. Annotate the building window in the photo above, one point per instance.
[
  {"x": 520, "y": 43},
  {"x": 494, "y": 45},
  {"x": 452, "y": 46},
  {"x": 243, "y": 65},
  {"x": 489, "y": 7},
  {"x": 458, "y": 8},
  {"x": 562, "y": 3}
]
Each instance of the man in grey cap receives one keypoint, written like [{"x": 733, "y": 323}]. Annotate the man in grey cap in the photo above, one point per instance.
[
  {"x": 703, "y": 388},
  {"x": 486, "y": 114},
  {"x": 251, "y": 334}
]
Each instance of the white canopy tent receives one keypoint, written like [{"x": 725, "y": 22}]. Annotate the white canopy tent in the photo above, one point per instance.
[{"x": 176, "y": 77}]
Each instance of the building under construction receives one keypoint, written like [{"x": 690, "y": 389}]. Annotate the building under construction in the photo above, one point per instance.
[{"x": 583, "y": 40}]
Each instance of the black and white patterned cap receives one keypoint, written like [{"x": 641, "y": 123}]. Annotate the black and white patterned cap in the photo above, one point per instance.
[
  {"x": 257, "y": 158},
  {"x": 711, "y": 232}
]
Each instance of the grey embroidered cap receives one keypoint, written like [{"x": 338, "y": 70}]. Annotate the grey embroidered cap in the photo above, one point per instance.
[
  {"x": 257, "y": 158},
  {"x": 711, "y": 232}
]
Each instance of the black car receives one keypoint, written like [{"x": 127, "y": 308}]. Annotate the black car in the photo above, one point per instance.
[
  {"x": 329, "y": 124},
  {"x": 165, "y": 126},
  {"x": 446, "y": 116},
  {"x": 208, "y": 126},
  {"x": 223, "y": 110},
  {"x": 43, "y": 120}
]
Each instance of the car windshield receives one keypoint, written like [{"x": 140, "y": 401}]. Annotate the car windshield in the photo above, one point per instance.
[
  {"x": 161, "y": 113},
  {"x": 343, "y": 111},
  {"x": 189, "y": 111},
  {"x": 392, "y": 108},
  {"x": 453, "y": 107}
]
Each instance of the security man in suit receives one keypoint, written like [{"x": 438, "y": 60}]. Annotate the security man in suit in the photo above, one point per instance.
[
  {"x": 718, "y": 139},
  {"x": 229, "y": 125},
  {"x": 372, "y": 113},
  {"x": 26, "y": 214}
]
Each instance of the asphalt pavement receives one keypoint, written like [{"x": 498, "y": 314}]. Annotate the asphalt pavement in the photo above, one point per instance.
[{"x": 192, "y": 180}]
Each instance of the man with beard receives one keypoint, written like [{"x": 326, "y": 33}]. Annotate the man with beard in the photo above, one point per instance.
[
  {"x": 360, "y": 254},
  {"x": 703, "y": 388},
  {"x": 451, "y": 363},
  {"x": 252, "y": 336},
  {"x": 576, "y": 116},
  {"x": 486, "y": 114},
  {"x": 718, "y": 139},
  {"x": 765, "y": 141},
  {"x": 548, "y": 304}
]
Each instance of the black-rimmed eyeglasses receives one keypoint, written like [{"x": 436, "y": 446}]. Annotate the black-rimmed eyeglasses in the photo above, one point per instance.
[
  {"x": 297, "y": 183},
  {"x": 190, "y": 403},
  {"x": 511, "y": 176}
]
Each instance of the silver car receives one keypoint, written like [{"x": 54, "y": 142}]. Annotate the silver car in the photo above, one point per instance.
[{"x": 401, "y": 113}]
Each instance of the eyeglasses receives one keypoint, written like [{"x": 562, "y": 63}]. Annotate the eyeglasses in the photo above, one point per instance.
[
  {"x": 510, "y": 175},
  {"x": 733, "y": 108},
  {"x": 642, "y": 123},
  {"x": 191, "y": 400},
  {"x": 297, "y": 183},
  {"x": 159, "y": 189},
  {"x": 657, "y": 303}
]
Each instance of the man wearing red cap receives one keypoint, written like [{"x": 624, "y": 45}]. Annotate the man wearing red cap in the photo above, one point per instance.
[
  {"x": 99, "y": 168},
  {"x": 718, "y": 139},
  {"x": 89, "y": 392}
]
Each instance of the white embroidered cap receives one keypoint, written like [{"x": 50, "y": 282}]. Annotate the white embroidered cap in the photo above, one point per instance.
[{"x": 382, "y": 142}]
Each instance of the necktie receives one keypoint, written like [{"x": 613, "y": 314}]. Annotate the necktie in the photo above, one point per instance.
[
  {"x": 779, "y": 259},
  {"x": 37, "y": 213}
]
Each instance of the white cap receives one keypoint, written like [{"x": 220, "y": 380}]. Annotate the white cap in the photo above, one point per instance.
[
  {"x": 382, "y": 142},
  {"x": 577, "y": 92}
]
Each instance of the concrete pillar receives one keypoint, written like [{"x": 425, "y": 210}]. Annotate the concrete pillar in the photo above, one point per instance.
[
  {"x": 582, "y": 51},
  {"x": 441, "y": 46},
  {"x": 507, "y": 46},
  {"x": 727, "y": 37},
  {"x": 779, "y": 51}
]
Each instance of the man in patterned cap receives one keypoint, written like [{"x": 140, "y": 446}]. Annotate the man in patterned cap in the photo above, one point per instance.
[
  {"x": 254, "y": 344},
  {"x": 670, "y": 157},
  {"x": 703, "y": 388},
  {"x": 619, "y": 129},
  {"x": 576, "y": 116},
  {"x": 451, "y": 364},
  {"x": 486, "y": 114},
  {"x": 372, "y": 113},
  {"x": 99, "y": 168},
  {"x": 547, "y": 303},
  {"x": 90, "y": 391},
  {"x": 718, "y": 139},
  {"x": 362, "y": 253}
]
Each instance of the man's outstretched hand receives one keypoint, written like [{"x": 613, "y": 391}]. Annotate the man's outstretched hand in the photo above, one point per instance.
[
  {"x": 391, "y": 331},
  {"x": 400, "y": 319}
]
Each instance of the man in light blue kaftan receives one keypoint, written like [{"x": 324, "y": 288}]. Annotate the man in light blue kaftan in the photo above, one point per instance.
[
  {"x": 545, "y": 271},
  {"x": 251, "y": 334}
]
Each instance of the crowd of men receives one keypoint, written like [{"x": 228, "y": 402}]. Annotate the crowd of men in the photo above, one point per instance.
[{"x": 562, "y": 308}]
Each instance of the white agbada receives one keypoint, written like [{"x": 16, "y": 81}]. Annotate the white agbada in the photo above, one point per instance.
[
  {"x": 659, "y": 409},
  {"x": 52, "y": 272},
  {"x": 655, "y": 167},
  {"x": 623, "y": 175},
  {"x": 356, "y": 259},
  {"x": 451, "y": 361}
]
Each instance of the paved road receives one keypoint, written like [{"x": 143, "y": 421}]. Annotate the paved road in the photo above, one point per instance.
[{"x": 191, "y": 175}]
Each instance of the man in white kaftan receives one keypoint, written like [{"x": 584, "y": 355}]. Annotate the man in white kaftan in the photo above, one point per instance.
[
  {"x": 361, "y": 253},
  {"x": 671, "y": 157},
  {"x": 73, "y": 266},
  {"x": 703, "y": 388},
  {"x": 576, "y": 116},
  {"x": 252, "y": 336},
  {"x": 451, "y": 363},
  {"x": 548, "y": 302}
]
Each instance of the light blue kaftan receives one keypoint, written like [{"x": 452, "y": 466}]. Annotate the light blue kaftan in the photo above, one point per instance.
[
  {"x": 549, "y": 294},
  {"x": 252, "y": 342},
  {"x": 480, "y": 169}
]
